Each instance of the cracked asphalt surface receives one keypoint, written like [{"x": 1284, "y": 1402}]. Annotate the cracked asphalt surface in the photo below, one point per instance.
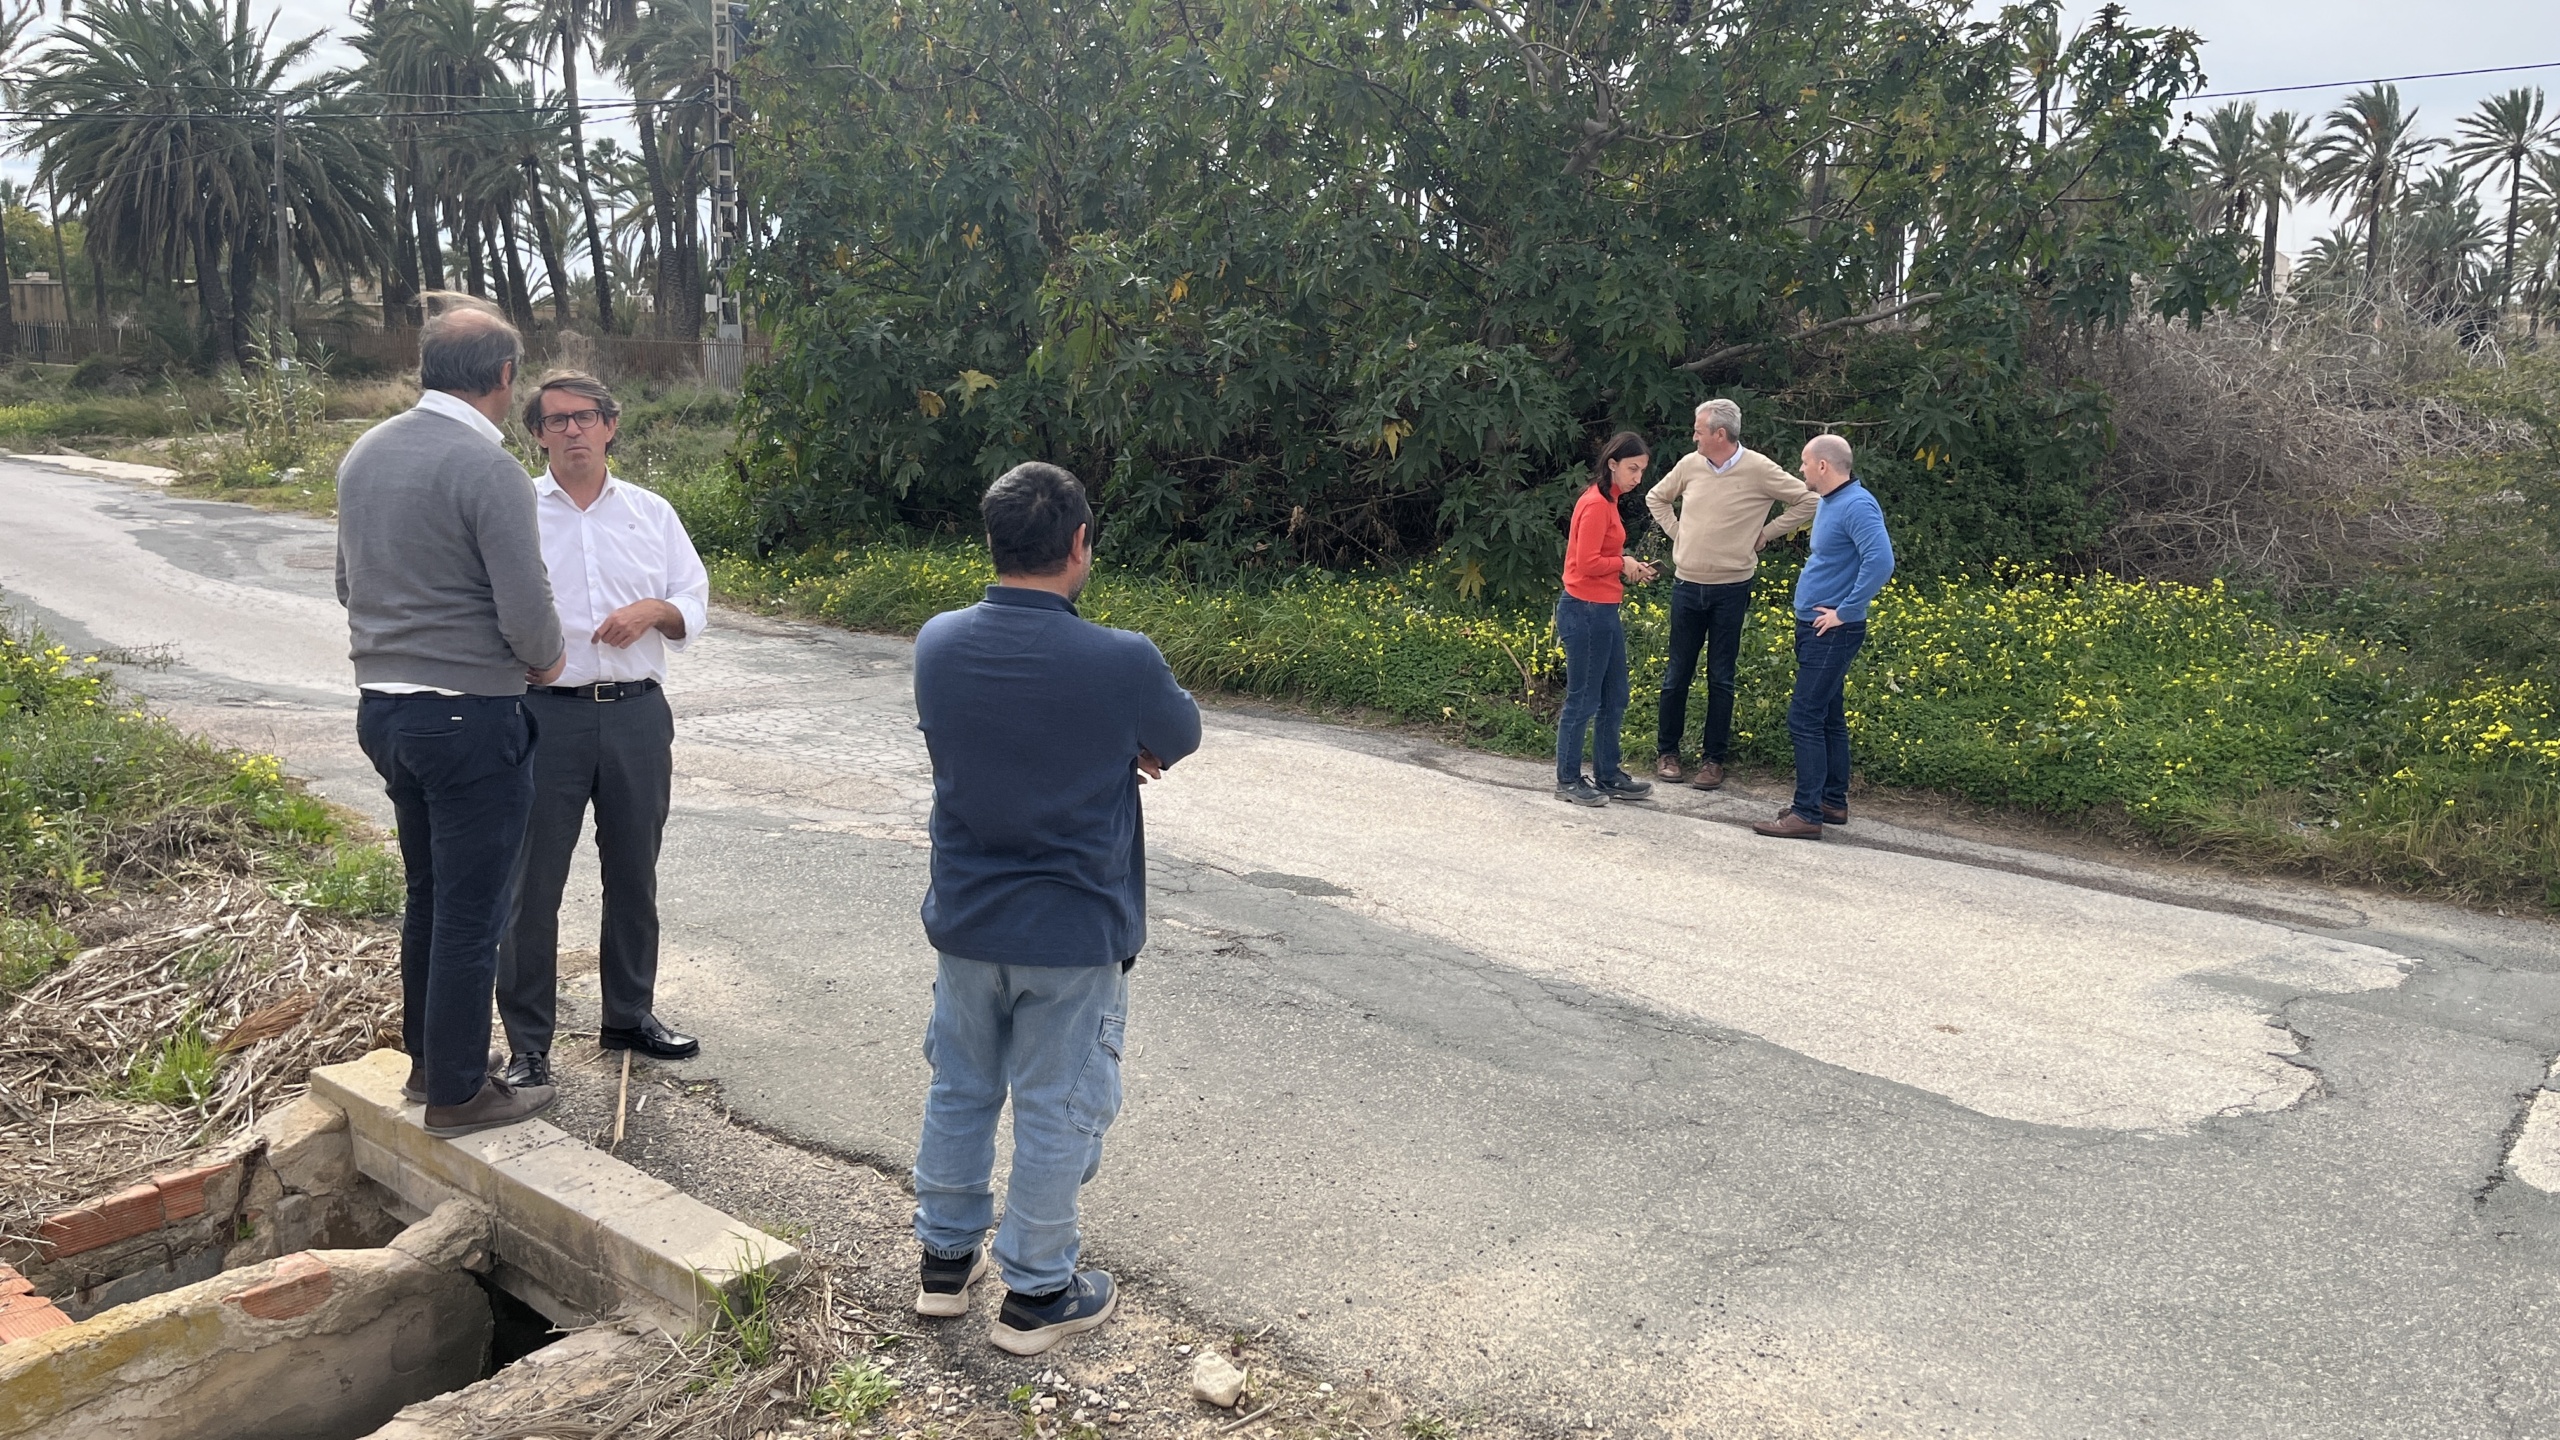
[{"x": 1546, "y": 1114}]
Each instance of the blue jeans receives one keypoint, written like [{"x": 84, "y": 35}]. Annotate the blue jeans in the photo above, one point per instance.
[
  {"x": 1817, "y": 718},
  {"x": 1708, "y": 615},
  {"x": 1595, "y": 687},
  {"x": 1051, "y": 1035},
  {"x": 459, "y": 771}
]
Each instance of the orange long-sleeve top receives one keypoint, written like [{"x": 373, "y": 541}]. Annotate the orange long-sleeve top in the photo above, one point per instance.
[{"x": 1595, "y": 549}]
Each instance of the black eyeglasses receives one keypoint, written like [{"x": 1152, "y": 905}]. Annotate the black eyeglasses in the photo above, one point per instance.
[{"x": 583, "y": 419}]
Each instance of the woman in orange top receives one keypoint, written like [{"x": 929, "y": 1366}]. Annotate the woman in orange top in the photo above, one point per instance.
[{"x": 1596, "y": 569}]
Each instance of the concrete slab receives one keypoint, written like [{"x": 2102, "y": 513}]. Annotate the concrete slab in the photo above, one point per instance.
[{"x": 594, "y": 1235}]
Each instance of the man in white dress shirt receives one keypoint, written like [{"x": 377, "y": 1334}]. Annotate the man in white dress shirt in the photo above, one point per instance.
[{"x": 629, "y": 587}]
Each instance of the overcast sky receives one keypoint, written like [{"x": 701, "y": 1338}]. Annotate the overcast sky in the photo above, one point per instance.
[{"x": 2249, "y": 44}]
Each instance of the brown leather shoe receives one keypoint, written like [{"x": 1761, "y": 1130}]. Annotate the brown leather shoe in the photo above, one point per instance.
[
  {"x": 1788, "y": 826},
  {"x": 414, "y": 1089},
  {"x": 498, "y": 1103},
  {"x": 1710, "y": 775},
  {"x": 1667, "y": 767},
  {"x": 1835, "y": 814}
]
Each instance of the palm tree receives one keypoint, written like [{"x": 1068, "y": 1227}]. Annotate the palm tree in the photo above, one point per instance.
[
  {"x": 2363, "y": 156},
  {"x": 666, "y": 62},
  {"x": 563, "y": 28},
  {"x": 2504, "y": 131},
  {"x": 2275, "y": 167},
  {"x": 159, "y": 117},
  {"x": 2222, "y": 157},
  {"x": 15, "y": 21},
  {"x": 2444, "y": 243},
  {"x": 437, "y": 59}
]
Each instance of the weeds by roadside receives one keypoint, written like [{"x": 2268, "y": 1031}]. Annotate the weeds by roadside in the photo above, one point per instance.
[{"x": 180, "y": 933}]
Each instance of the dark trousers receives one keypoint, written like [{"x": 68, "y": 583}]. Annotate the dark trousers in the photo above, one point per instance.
[
  {"x": 1595, "y": 688},
  {"x": 459, "y": 773},
  {"x": 1817, "y": 718},
  {"x": 1708, "y": 615},
  {"x": 618, "y": 756}
]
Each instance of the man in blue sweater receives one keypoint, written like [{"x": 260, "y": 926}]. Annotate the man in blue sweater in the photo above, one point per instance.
[
  {"x": 1041, "y": 725},
  {"x": 1852, "y": 558}
]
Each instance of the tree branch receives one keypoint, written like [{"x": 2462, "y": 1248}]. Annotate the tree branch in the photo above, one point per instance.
[{"x": 1730, "y": 352}]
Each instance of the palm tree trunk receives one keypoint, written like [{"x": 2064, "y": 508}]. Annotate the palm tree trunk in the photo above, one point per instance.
[
  {"x": 501, "y": 230},
  {"x": 2515, "y": 197},
  {"x": 689, "y": 236},
  {"x": 97, "y": 280},
  {"x": 62, "y": 262},
  {"x": 474, "y": 278},
  {"x": 2267, "y": 250},
  {"x": 422, "y": 200},
  {"x": 247, "y": 259},
  {"x": 552, "y": 271},
  {"x": 662, "y": 210},
  {"x": 8, "y": 308},
  {"x": 209, "y": 295},
  {"x": 586, "y": 187},
  {"x": 400, "y": 288}
]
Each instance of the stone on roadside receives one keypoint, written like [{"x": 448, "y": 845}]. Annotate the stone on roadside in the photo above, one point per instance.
[{"x": 1216, "y": 1381}]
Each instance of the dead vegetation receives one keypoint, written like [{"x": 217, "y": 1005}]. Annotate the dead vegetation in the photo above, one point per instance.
[
  {"x": 2277, "y": 454},
  {"x": 196, "y": 1008}
]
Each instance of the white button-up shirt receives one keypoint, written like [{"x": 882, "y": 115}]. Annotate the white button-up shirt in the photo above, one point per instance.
[{"x": 627, "y": 546}]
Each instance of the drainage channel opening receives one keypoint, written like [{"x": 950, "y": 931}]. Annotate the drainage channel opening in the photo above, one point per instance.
[{"x": 517, "y": 1329}]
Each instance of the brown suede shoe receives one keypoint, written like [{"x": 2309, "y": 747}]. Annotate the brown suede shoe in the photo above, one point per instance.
[
  {"x": 1835, "y": 814},
  {"x": 1667, "y": 767},
  {"x": 1710, "y": 775},
  {"x": 498, "y": 1103},
  {"x": 414, "y": 1089},
  {"x": 1788, "y": 826}
]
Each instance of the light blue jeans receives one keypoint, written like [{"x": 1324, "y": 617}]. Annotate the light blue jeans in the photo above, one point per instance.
[{"x": 1051, "y": 1036}]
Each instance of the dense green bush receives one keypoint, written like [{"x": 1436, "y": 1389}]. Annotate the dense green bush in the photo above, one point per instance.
[{"x": 1351, "y": 283}]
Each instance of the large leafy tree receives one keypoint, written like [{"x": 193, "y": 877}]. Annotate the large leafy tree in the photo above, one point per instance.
[
  {"x": 1341, "y": 281},
  {"x": 2503, "y": 134},
  {"x": 159, "y": 116}
]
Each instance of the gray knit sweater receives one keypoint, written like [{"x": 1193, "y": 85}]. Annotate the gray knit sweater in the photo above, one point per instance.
[{"x": 440, "y": 560}]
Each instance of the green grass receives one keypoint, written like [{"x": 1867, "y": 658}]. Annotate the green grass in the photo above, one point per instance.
[
  {"x": 31, "y": 946},
  {"x": 854, "y": 1393},
  {"x": 178, "y": 1071},
  {"x": 357, "y": 880},
  {"x": 2185, "y": 711}
]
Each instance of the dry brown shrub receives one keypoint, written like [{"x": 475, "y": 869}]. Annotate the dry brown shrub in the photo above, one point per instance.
[{"x": 2276, "y": 454}]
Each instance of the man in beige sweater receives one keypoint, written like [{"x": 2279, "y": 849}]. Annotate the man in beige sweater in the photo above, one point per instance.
[{"x": 1723, "y": 494}]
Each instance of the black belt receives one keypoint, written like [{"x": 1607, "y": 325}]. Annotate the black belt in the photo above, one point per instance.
[{"x": 603, "y": 691}]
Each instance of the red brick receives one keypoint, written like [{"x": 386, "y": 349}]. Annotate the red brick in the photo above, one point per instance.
[
  {"x": 182, "y": 1191},
  {"x": 301, "y": 1282},
  {"x": 24, "y": 1315},
  {"x": 120, "y": 1216},
  {"x": 13, "y": 1283}
]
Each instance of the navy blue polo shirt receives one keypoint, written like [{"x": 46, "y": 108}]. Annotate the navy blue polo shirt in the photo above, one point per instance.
[{"x": 1034, "y": 717}]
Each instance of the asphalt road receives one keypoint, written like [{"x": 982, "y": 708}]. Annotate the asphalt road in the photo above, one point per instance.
[{"x": 1554, "y": 1114}]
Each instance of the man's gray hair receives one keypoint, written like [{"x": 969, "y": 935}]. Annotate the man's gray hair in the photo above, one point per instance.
[
  {"x": 1722, "y": 414},
  {"x": 466, "y": 349},
  {"x": 1832, "y": 450}
]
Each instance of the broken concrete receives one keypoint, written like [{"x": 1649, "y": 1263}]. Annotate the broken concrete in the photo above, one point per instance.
[
  {"x": 568, "y": 1375},
  {"x": 316, "y": 1345}
]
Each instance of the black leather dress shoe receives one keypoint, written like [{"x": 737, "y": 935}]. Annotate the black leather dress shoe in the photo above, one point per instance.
[
  {"x": 533, "y": 1067},
  {"x": 651, "y": 1039}
]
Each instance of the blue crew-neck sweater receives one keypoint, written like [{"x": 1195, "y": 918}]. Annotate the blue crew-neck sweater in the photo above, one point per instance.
[
  {"x": 1034, "y": 717},
  {"x": 1852, "y": 556}
]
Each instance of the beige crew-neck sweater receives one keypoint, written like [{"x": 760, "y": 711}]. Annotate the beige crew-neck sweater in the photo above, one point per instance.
[{"x": 1722, "y": 520}]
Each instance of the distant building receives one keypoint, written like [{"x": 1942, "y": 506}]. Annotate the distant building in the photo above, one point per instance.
[{"x": 36, "y": 298}]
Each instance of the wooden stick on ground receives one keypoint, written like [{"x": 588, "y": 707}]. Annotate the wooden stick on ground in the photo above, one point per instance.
[{"x": 621, "y": 1101}]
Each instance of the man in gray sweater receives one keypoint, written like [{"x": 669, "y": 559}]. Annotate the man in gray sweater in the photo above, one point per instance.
[{"x": 449, "y": 615}]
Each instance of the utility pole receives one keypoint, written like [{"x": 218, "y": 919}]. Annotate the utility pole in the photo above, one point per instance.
[
  {"x": 725, "y": 364},
  {"x": 280, "y": 321}
]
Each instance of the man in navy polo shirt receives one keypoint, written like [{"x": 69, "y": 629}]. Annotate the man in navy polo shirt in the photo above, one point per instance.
[{"x": 1041, "y": 725}]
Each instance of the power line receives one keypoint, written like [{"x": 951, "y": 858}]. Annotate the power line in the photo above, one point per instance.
[{"x": 2377, "y": 80}]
